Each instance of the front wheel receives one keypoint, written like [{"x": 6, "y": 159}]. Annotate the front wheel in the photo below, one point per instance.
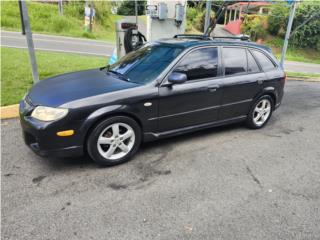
[
  {"x": 260, "y": 112},
  {"x": 114, "y": 141}
]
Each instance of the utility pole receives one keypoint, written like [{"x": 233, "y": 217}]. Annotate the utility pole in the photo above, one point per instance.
[
  {"x": 91, "y": 18},
  {"x": 23, "y": 31},
  {"x": 60, "y": 7},
  {"x": 208, "y": 15},
  {"x": 28, "y": 33},
  {"x": 286, "y": 39}
]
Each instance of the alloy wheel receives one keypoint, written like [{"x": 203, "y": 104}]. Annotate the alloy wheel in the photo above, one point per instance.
[
  {"x": 116, "y": 141},
  {"x": 261, "y": 112}
]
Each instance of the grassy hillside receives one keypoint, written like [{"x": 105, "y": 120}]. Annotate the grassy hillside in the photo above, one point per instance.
[
  {"x": 16, "y": 76},
  {"x": 293, "y": 53},
  {"x": 44, "y": 18}
]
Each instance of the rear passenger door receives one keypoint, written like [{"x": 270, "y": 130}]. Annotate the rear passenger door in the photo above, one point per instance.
[{"x": 242, "y": 81}]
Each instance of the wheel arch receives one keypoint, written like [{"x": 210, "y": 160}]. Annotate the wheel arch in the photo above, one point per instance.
[
  {"x": 269, "y": 91},
  {"x": 98, "y": 116}
]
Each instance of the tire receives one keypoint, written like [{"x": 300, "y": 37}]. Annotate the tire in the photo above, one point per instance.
[
  {"x": 253, "y": 121},
  {"x": 122, "y": 144}
]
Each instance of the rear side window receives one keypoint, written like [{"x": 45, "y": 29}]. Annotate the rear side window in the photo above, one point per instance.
[
  {"x": 252, "y": 64},
  {"x": 264, "y": 61},
  {"x": 199, "y": 64},
  {"x": 235, "y": 61}
]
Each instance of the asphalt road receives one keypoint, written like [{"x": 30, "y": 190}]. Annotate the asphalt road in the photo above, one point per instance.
[
  {"x": 58, "y": 44},
  {"x": 102, "y": 48},
  {"x": 223, "y": 183}
]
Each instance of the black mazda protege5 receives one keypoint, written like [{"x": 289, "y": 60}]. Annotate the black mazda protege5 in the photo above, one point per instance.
[{"x": 165, "y": 88}]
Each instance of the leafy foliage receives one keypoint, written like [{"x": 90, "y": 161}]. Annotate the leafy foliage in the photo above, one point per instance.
[
  {"x": 307, "y": 35},
  {"x": 278, "y": 19},
  {"x": 196, "y": 17},
  {"x": 255, "y": 26},
  {"x": 127, "y": 8}
]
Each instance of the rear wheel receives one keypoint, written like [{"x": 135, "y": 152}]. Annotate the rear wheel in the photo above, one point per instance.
[
  {"x": 260, "y": 112},
  {"x": 114, "y": 140}
]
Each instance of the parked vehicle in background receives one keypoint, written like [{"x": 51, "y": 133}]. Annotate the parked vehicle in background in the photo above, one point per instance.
[{"x": 169, "y": 87}]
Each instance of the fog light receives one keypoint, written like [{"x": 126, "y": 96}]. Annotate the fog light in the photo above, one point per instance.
[{"x": 66, "y": 133}]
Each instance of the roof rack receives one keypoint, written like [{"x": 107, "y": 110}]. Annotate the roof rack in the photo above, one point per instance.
[
  {"x": 193, "y": 36},
  {"x": 242, "y": 38},
  {"x": 205, "y": 37}
]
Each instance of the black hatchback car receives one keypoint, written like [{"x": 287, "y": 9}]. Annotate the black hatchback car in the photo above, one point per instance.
[{"x": 165, "y": 88}]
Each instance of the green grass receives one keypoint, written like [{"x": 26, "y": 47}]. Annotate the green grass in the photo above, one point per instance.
[
  {"x": 16, "y": 76},
  {"x": 44, "y": 18},
  {"x": 303, "y": 75},
  {"x": 294, "y": 54}
]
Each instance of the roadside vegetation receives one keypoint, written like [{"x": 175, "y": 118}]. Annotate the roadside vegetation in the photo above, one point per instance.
[
  {"x": 44, "y": 18},
  {"x": 304, "y": 45},
  {"x": 16, "y": 76},
  {"x": 304, "y": 75}
]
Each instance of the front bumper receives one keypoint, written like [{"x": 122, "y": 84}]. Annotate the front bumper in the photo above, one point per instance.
[{"x": 41, "y": 136}]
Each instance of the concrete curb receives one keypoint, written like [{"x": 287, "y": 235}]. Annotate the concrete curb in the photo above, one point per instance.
[{"x": 11, "y": 111}]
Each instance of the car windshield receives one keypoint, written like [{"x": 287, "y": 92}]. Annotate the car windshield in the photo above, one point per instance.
[{"x": 145, "y": 64}]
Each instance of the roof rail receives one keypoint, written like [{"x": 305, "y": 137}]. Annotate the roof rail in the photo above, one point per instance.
[
  {"x": 193, "y": 36},
  {"x": 242, "y": 38},
  {"x": 205, "y": 37}
]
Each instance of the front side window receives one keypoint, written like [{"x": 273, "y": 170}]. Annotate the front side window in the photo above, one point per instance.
[
  {"x": 145, "y": 64},
  {"x": 199, "y": 64},
  {"x": 235, "y": 61},
  {"x": 264, "y": 61}
]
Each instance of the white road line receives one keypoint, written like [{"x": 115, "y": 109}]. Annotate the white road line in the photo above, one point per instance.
[
  {"x": 53, "y": 50},
  {"x": 66, "y": 42}
]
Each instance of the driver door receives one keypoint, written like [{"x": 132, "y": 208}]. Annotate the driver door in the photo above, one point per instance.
[{"x": 197, "y": 100}]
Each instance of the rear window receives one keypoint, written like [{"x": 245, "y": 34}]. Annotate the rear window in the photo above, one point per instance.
[
  {"x": 235, "y": 61},
  {"x": 264, "y": 61}
]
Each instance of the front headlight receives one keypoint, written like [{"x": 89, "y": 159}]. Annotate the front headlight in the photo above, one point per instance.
[{"x": 48, "y": 114}]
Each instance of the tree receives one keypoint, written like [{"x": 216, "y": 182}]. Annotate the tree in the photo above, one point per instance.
[{"x": 127, "y": 8}]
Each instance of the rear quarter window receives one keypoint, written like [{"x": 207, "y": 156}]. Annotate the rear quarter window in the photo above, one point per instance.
[{"x": 265, "y": 63}]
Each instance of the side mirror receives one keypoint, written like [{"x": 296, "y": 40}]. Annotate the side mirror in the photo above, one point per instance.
[{"x": 177, "y": 78}]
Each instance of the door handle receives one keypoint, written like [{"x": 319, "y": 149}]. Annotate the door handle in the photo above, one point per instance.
[
  {"x": 260, "y": 80},
  {"x": 213, "y": 88}
]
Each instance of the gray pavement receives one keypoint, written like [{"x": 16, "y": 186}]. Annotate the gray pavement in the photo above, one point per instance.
[
  {"x": 223, "y": 183},
  {"x": 58, "y": 44},
  {"x": 102, "y": 48}
]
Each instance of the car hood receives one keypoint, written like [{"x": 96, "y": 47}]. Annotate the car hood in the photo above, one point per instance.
[{"x": 61, "y": 89}]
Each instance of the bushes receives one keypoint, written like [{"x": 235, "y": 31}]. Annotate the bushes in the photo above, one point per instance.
[
  {"x": 306, "y": 36},
  {"x": 196, "y": 17},
  {"x": 255, "y": 26},
  {"x": 278, "y": 19},
  {"x": 309, "y": 34},
  {"x": 127, "y": 8}
]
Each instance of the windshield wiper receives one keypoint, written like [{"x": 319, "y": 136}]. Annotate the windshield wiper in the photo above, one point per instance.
[{"x": 120, "y": 75}]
